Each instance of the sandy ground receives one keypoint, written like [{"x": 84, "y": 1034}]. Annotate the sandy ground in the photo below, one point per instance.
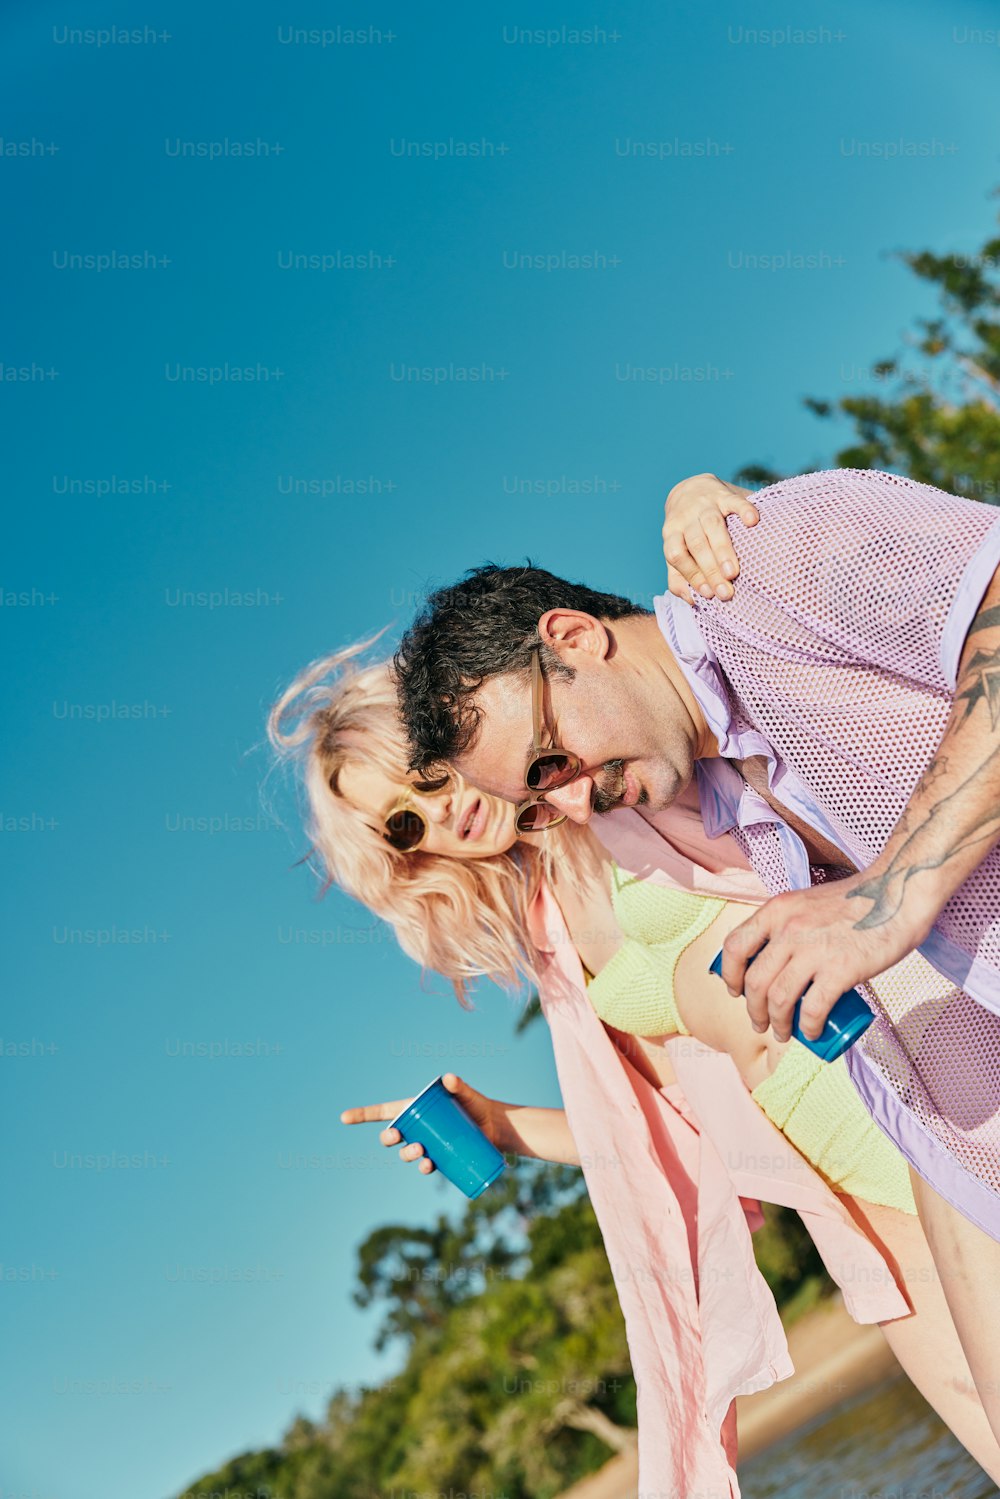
[{"x": 834, "y": 1358}]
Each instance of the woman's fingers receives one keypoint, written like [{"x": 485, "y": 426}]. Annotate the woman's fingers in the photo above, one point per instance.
[
  {"x": 741, "y": 505},
  {"x": 414, "y": 1152},
  {"x": 724, "y": 563},
  {"x": 682, "y": 570},
  {"x": 698, "y": 568},
  {"x": 699, "y": 552},
  {"x": 710, "y": 551},
  {"x": 678, "y": 586},
  {"x": 371, "y": 1113}
]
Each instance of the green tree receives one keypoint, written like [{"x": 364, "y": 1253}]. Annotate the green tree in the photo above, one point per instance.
[
  {"x": 420, "y": 1275},
  {"x": 521, "y": 1371},
  {"x": 935, "y": 415}
]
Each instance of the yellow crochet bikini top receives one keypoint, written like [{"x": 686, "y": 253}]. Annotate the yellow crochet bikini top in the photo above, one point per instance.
[
  {"x": 812, "y": 1102},
  {"x": 634, "y": 992}
]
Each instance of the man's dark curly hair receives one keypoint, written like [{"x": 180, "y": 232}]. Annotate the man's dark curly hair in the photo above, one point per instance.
[{"x": 480, "y": 627}]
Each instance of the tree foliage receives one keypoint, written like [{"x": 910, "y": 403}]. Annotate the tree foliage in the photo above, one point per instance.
[
  {"x": 935, "y": 412},
  {"x": 516, "y": 1379}
]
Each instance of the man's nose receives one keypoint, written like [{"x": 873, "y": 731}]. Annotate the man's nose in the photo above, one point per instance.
[{"x": 575, "y": 800}]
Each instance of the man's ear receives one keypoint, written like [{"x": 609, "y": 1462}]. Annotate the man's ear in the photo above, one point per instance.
[{"x": 570, "y": 632}]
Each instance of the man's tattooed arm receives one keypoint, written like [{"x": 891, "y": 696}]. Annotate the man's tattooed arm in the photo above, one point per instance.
[{"x": 953, "y": 817}]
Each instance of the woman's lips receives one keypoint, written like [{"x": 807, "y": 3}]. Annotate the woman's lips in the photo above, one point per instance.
[{"x": 479, "y": 815}]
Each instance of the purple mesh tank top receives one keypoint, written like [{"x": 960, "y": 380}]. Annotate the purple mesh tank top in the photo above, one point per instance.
[{"x": 837, "y": 660}]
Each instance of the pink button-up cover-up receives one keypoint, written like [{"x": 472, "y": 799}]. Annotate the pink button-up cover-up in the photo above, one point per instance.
[
  {"x": 676, "y": 1176},
  {"x": 837, "y": 660}
]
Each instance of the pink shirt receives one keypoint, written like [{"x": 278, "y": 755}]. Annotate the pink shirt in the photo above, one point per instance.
[
  {"x": 684, "y": 856},
  {"x": 702, "y": 1325}
]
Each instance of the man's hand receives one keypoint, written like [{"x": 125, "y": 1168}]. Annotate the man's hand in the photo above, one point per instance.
[
  {"x": 823, "y": 941},
  {"x": 696, "y": 543},
  {"x": 818, "y": 946}
]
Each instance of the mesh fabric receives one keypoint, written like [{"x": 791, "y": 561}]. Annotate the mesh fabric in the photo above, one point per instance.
[{"x": 840, "y": 651}]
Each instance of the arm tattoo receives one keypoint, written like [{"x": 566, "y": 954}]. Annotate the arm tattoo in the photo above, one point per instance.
[
  {"x": 887, "y": 890},
  {"x": 983, "y": 677},
  {"x": 979, "y": 682},
  {"x": 986, "y": 619}
]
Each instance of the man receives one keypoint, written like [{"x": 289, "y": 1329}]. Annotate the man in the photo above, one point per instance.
[{"x": 842, "y": 716}]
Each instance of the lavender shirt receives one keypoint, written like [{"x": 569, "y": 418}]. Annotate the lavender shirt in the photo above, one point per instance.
[{"x": 837, "y": 660}]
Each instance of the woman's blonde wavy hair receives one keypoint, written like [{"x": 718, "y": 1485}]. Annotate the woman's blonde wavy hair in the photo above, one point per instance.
[{"x": 463, "y": 918}]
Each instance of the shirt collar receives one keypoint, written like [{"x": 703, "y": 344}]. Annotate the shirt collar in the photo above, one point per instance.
[
  {"x": 726, "y": 800},
  {"x": 679, "y": 627}
]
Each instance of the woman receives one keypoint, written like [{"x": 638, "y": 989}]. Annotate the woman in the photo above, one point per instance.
[{"x": 445, "y": 865}]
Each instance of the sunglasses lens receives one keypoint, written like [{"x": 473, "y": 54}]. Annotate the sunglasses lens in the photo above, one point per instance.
[
  {"x": 538, "y": 815},
  {"x": 549, "y": 772},
  {"x": 404, "y": 829}
]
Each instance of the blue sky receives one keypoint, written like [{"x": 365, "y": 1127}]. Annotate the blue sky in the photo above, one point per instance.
[{"x": 169, "y": 1312}]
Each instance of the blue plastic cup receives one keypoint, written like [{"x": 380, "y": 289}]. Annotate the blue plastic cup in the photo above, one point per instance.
[
  {"x": 452, "y": 1141},
  {"x": 849, "y": 1019}
]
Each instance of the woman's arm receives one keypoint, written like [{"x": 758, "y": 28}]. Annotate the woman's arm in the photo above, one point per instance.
[
  {"x": 542, "y": 1133},
  {"x": 516, "y": 1129}
]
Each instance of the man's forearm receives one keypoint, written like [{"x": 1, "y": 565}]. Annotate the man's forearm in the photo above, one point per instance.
[
  {"x": 543, "y": 1133},
  {"x": 813, "y": 944},
  {"x": 953, "y": 817}
]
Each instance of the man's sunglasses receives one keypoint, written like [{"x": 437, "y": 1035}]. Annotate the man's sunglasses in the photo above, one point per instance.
[{"x": 548, "y": 769}]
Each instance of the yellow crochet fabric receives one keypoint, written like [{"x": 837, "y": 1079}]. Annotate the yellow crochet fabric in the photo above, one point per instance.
[
  {"x": 634, "y": 992},
  {"x": 813, "y": 1103},
  {"x": 815, "y": 1106}
]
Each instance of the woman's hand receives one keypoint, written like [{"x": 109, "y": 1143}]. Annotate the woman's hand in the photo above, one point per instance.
[
  {"x": 488, "y": 1113},
  {"x": 696, "y": 542}
]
